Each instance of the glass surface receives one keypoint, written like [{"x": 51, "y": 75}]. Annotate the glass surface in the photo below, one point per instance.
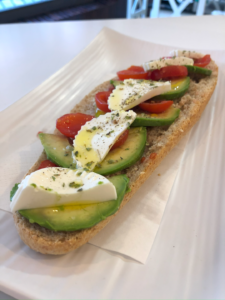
[{"x": 13, "y": 4}]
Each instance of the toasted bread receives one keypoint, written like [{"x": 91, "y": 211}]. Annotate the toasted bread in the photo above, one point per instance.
[{"x": 160, "y": 140}]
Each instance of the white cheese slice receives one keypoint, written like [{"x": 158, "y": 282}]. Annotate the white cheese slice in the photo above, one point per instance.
[
  {"x": 96, "y": 137},
  {"x": 164, "y": 62},
  {"x": 132, "y": 92},
  {"x": 186, "y": 53},
  {"x": 59, "y": 186}
]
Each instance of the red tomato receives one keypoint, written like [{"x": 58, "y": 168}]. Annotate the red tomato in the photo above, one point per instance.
[
  {"x": 157, "y": 107},
  {"x": 142, "y": 159},
  {"x": 121, "y": 140},
  {"x": 153, "y": 155},
  {"x": 136, "y": 69},
  {"x": 101, "y": 99},
  {"x": 70, "y": 124},
  {"x": 134, "y": 72},
  {"x": 38, "y": 133},
  {"x": 169, "y": 72},
  {"x": 111, "y": 88},
  {"x": 46, "y": 164},
  {"x": 202, "y": 62}
]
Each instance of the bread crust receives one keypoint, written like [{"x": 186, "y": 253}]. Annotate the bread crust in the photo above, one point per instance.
[{"x": 160, "y": 141}]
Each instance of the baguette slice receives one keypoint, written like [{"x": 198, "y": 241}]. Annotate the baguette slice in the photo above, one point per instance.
[{"x": 160, "y": 140}]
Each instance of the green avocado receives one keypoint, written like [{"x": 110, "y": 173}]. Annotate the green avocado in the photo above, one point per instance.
[
  {"x": 126, "y": 155},
  {"x": 116, "y": 82},
  {"x": 193, "y": 70},
  {"x": 165, "y": 118},
  {"x": 178, "y": 89},
  {"x": 13, "y": 191},
  {"x": 58, "y": 149},
  {"x": 76, "y": 217}
]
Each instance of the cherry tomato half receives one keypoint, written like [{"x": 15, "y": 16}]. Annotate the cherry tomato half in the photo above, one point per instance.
[
  {"x": 101, "y": 99},
  {"x": 70, "y": 124},
  {"x": 46, "y": 164},
  {"x": 134, "y": 72},
  {"x": 136, "y": 69},
  {"x": 169, "y": 72},
  {"x": 157, "y": 107},
  {"x": 202, "y": 62},
  {"x": 121, "y": 140},
  {"x": 111, "y": 88}
]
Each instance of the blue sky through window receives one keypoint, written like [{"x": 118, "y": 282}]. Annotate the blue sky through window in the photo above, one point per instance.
[{"x": 12, "y": 4}]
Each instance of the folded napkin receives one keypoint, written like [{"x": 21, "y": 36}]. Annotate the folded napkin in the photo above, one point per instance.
[{"x": 133, "y": 230}]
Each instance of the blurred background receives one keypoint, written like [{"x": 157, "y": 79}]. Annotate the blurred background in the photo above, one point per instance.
[{"x": 17, "y": 11}]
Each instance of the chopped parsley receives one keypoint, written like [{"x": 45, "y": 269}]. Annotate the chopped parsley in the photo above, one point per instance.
[
  {"x": 110, "y": 132},
  {"x": 34, "y": 185},
  {"x": 88, "y": 149},
  {"x": 100, "y": 182},
  {"x": 89, "y": 164},
  {"x": 75, "y": 185},
  {"x": 111, "y": 161}
]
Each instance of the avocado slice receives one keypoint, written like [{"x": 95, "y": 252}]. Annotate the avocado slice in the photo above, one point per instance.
[
  {"x": 126, "y": 155},
  {"x": 165, "y": 118},
  {"x": 116, "y": 82},
  {"x": 13, "y": 191},
  {"x": 178, "y": 89},
  {"x": 194, "y": 70},
  {"x": 58, "y": 149},
  {"x": 76, "y": 217}
]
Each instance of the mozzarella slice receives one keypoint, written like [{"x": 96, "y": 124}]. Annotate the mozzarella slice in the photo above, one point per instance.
[
  {"x": 164, "y": 62},
  {"x": 59, "y": 186},
  {"x": 133, "y": 92},
  {"x": 96, "y": 137},
  {"x": 186, "y": 53}
]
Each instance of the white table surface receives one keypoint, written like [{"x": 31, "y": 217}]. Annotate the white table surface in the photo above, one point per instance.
[{"x": 30, "y": 53}]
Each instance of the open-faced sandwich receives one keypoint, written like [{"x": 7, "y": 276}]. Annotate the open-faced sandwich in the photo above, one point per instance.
[{"x": 104, "y": 150}]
